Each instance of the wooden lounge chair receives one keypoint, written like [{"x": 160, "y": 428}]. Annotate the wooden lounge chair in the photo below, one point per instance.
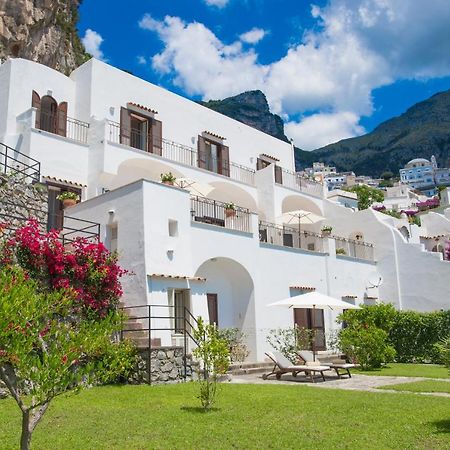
[
  {"x": 308, "y": 356},
  {"x": 283, "y": 365}
]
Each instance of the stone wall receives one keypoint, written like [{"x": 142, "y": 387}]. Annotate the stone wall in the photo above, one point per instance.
[
  {"x": 20, "y": 202},
  {"x": 167, "y": 366}
]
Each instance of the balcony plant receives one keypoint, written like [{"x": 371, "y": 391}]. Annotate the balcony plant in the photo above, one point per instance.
[
  {"x": 168, "y": 178},
  {"x": 326, "y": 230},
  {"x": 340, "y": 251},
  {"x": 230, "y": 209},
  {"x": 68, "y": 198}
]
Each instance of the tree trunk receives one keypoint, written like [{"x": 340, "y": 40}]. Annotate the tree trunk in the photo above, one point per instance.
[{"x": 25, "y": 439}]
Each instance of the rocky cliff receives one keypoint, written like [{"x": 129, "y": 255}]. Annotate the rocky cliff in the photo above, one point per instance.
[
  {"x": 252, "y": 109},
  {"x": 43, "y": 31}
]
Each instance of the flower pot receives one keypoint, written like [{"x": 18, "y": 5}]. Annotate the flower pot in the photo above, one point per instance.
[
  {"x": 69, "y": 202},
  {"x": 229, "y": 212},
  {"x": 169, "y": 183},
  {"x": 326, "y": 233}
]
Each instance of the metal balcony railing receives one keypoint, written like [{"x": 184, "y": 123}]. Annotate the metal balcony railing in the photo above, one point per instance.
[
  {"x": 61, "y": 125},
  {"x": 354, "y": 248},
  {"x": 183, "y": 154},
  {"x": 24, "y": 168},
  {"x": 213, "y": 212},
  {"x": 293, "y": 180},
  {"x": 287, "y": 236}
]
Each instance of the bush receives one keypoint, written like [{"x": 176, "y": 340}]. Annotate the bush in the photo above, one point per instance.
[
  {"x": 367, "y": 345},
  {"x": 235, "y": 339},
  {"x": 289, "y": 341},
  {"x": 443, "y": 348}
]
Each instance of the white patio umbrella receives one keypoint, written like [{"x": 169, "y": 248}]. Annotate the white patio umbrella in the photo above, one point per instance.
[
  {"x": 314, "y": 300},
  {"x": 300, "y": 217},
  {"x": 194, "y": 187}
]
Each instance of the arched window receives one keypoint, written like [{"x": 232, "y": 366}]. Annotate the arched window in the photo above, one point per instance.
[
  {"x": 50, "y": 116},
  {"x": 49, "y": 111}
]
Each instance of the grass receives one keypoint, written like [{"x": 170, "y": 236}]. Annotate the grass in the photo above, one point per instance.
[
  {"x": 409, "y": 370},
  {"x": 421, "y": 386},
  {"x": 246, "y": 417}
]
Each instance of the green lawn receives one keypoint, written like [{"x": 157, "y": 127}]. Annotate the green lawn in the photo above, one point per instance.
[
  {"x": 247, "y": 417},
  {"x": 421, "y": 386},
  {"x": 409, "y": 370}
]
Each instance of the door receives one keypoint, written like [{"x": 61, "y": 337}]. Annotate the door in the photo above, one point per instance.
[
  {"x": 139, "y": 132},
  {"x": 213, "y": 311},
  {"x": 304, "y": 318}
]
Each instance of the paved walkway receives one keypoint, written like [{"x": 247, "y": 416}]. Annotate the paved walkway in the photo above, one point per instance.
[{"x": 356, "y": 383}]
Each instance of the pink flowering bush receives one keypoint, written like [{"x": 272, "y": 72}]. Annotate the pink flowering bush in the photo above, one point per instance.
[{"x": 86, "y": 268}]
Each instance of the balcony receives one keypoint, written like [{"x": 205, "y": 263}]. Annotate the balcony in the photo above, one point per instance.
[
  {"x": 179, "y": 153},
  {"x": 294, "y": 181},
  {"x": 24, "y": 168},
  {"x": 213, "y": 212},
  {"x": 285, "y": 236},
  {"x": 354, "y": 248},
  {"x": 63, "y": 126}
]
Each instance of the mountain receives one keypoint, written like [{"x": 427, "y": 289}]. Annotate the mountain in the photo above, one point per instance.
[
  {"x": 252, "y": 109},
  {"x": 43, "y": 31},
  {"x": 423, "y": 130}
]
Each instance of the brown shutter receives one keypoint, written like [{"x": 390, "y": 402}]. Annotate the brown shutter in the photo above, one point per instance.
[
  {"x": 301, "y": 317},
  {"x": 156, "y": 137},
  {"x": 125, "y": 126},
  {"x": 260, "y": 164},
  {"x": 201, "y": 153},
  {"x": 36, "y": 103},
  {"x": 278, "y": 175},
  {"x": 61, "y": 119},
  {"x": 224, "y": 161},
  {"x": 213, "y": 312}
]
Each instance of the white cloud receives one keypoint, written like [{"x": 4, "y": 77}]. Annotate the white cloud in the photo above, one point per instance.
[
  {"x": 218, "y": 3},
  {"x": 141, "y": 60},
  {"x": 253, "y": 36},
  {"x": 92, "y": 42},
  {"x": 355, "y": 47},
  {"x": 321, "y": 129}
]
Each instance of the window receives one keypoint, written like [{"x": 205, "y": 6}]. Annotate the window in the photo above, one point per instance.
[
  {"x": 140, "y": 131},
  {"x": 50, "y": 116},
  {"x": 111, "y": 237},
  {"x": 180, "y": 302},
  {"x": 213, "y": 312},
  {"x": 213, "y": 156},
  {"x": 305, "y": 318},
  {"x": 55, "y": 217},
  {"x": 173, "y": 228}
]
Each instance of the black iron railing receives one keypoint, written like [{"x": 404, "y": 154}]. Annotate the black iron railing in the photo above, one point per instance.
[
  {"x": 183, "y": 154},
  {"x": 214, "y": 212},
  {"x": 15, "y": 163},
  {"x": 288, "y": 236},
  {"x": 354, "y": 248},
  {"x": 294, "y": 180},
  {"x": 60, "y": 124},
  {"x": 148, "y": 328}
]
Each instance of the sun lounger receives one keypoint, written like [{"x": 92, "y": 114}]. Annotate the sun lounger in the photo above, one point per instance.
[
  {"x": 282, "y": 365},
  {"x": 308, "y": 356}
]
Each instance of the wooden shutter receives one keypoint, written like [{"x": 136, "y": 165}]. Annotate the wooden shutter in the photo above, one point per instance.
[
  {"x": 278, "y": 175},
  {"x": 224, "y": 160},
  {"x": 156, "y": 137},
  {"x": 260, "y": 164},
  {"x": 213, "y": 312},
  {"x": 125, "y": 126},
  {"x": 36, "y": 103},
  {"x": 61, "y": 119},
  {"x": 301, "y": 317},
  {"x": 201, "y": 153}
]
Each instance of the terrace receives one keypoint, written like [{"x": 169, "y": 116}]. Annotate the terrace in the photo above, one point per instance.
[{"x": 64, "y": 126}]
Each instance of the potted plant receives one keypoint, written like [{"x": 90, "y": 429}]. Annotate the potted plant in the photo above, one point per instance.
[
  {"x": 230, "y": 209},
  {"x": 326, "y": 230},
  {"x": 340, "y": 251},
  {"x": 68, "y": 198},
  {"x": 168, "y": 178}
]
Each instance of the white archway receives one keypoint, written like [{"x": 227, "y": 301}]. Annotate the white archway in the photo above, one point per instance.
[
  {"x": 234, "y": 287},
  {"x": 296, "y": 202},
  {"x": 228, "y": 192}
]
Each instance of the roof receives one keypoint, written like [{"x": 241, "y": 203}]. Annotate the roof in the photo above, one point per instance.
[
  {"x": 418, "y": 161},
  {"x": 60, "y": 180},
  {"x": 217, "y": 136},
  {"x": 145, "y": 108},
  {"x": 269, "y": 156},
  {"x": 177, "y": 277},
  {"x": 303, "y": 288}
]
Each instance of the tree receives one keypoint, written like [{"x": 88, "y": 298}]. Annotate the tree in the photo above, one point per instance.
[
  {"x": 387, "y": 175},
  {"x": 213, "y": 353},
  {"x": 366, "y": 195},
  {"x": 57, "y": 337}
]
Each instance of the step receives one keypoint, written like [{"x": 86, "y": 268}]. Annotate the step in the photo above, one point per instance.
[
  {"x": 250, "y": 365},
  {"x": 132, "y": 325},
  {"x": 251, "y": 370}
]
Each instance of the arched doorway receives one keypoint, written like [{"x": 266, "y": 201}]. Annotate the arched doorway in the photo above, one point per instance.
[
  {"x": 229, "y": 289},
  {"x": 297, "y": 202},
  {"x": 48, "y": 114}
]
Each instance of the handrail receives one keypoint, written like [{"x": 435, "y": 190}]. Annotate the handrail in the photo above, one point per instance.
[
  {"x": 72, "y": 128},
  {"x": 14, "y": 162}
]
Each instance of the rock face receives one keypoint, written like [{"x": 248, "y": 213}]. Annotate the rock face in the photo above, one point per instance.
[
  {"x": 252, "y": 109},
  {"x": 43, "y": 31}
]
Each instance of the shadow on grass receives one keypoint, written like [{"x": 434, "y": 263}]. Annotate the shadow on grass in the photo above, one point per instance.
[
  {"x": 198, "y": 409},
  {"x": 442, "y": 426}
]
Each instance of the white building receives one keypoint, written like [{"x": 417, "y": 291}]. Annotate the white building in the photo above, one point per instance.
[{"x": 109, "y": 135}]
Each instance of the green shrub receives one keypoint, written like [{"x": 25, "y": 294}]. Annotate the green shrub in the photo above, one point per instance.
[
  {"x": 366, "y": 345},
  {"x": 235, "y": 339},
  {"x": 443, "y": 347},
  {"x": 289, "y": 341}
]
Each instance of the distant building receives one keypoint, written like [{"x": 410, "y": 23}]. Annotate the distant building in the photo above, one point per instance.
[
  {"x": 344, "y": 198},
  {"x": 424, "y": 175}
]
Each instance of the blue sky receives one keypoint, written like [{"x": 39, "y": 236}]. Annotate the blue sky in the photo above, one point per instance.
[{"x": 331, "y": 68}]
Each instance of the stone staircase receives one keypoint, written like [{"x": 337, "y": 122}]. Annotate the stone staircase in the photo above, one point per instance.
[{"x": 249, "y": 368}]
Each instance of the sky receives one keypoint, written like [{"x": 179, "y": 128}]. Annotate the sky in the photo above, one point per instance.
[{"x": 332, "y": 69}]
